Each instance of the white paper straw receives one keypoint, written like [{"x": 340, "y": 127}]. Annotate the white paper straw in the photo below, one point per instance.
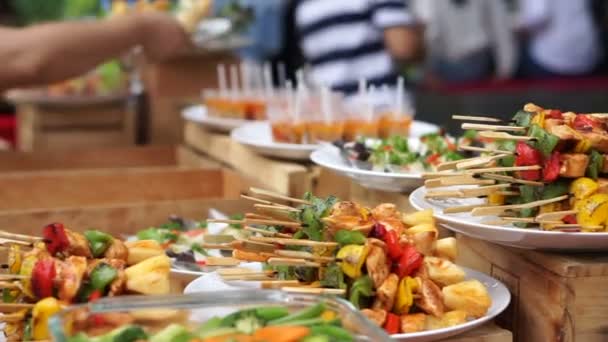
[
  {"x": 289, "y": 96},
  {"x": 221, "y": 77},
  {"x": 234, "y": 82},
  {"x": 326, "y": 104},
  {"x": 297, "y": 110},
  {"x": 246, "y": 78},
  {"x": 267, "y": 73},
  {"x": 399, "y": 100},
  {"x": 369, "y": 106}
]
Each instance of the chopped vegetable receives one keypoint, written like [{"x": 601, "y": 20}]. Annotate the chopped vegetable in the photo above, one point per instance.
[
  {"x": 362, "y": 287},
  {"x": 55, "y": 238},
  {"x": 98, "y": 242},
  {"x": 551, "y": 168},
  {"x": 353, "y": 258},
  {"x": 349, "y": 237},
  {"x": 43, "y": 278},
  {"x": 311, "y": 215},
  {"x": 528, "y": 156},
  {"x": 545, "y": 142},
  {"x": 41, "y": 313},
  {"x": 405, "y": 295},
  {"x": 392, "y": 324},
  {"x": 333, "y": 277},
  {"x": 596, "y": 164},
  {"x": 409, "y": 261},
  {"x": 307, "y": 313},
  {"x": 159, "y": 235},
  {"x": 523, "y": 118}
]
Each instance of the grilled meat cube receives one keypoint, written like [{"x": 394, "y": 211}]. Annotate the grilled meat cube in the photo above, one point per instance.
[
  {"x": 69, "y": 276},
  {"x": 377, "y": 265},
  {"x": 431, "y": 298},
  {"x": 573, "y": 165},
  {"x": 79, "y": 245},
  {"x": 386, "y": 211},
  {"x": 117, "y": 250},
  {"x": 413, "y": 322},
  {"x": 386, "y": 293},
  {"x": 377, "y": 316},
  {"x": 598, "y": 140}
]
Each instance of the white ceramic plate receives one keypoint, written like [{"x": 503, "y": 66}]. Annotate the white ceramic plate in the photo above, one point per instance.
[
  {"x": 528, "y": 238},
  {"x": 199, "y": 115},
  {"x": 258, "y": 136},
  {"x": 328, "y": 156},
  {"x": 498, "y": 292}
]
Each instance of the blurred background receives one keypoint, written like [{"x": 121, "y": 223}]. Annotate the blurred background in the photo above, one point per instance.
[{"x": 457, "y": 56}]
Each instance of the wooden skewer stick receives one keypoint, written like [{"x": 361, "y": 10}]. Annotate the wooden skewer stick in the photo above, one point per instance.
[
  {"x": 258, "y": 216},
  {"x": 493, "y": 127},
  {"x": 314, "y": 290},
  {"x": 263, "y": 201},
  {"x": 268, "y": 233},
  {"x": 14, "y": 236},
  {"x": 258, "y": 221},
  {"x": 441, "y": 174},
  {"x": 9, "y": 285},
  {"x": 503, "y": 169},
  {"x": 465, "y": 193},
  {"x": 303, "y": 255},
  {"x": 556, "y": 215},
  {"x": 15, "y": 242},
  {"x": 482, "y": 149},
  {"x": 292, "y": 262},
  {"x": 253, "y": 246},
  {"x": 247, "y": 277},
  {"x": 464, "y": 208},
  {"x": 13, "y": 277},
  {"x": 480, "y": 161},
  {"x": 475, "y": 118},
  {"x": 220, "y": 261},
  {"x": 12, "y": 307},
  {"x": 272, "y": 194},
  {"x": 503, "y": 135},
  {"x": 447, "y": 181},
  {"x": 274, "y": 284},
  {"x": 241, "y": 271},
  {"x": 510, "y": 179},
  {"x": 450, "y": 165},
  {"x": 294, "y": 242},
  {"x": 275, "y": 207},
  {"x": 497, "y": 210}
]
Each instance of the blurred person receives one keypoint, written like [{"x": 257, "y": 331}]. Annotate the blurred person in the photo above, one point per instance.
[
  {"x": 53, "y": 52},
  {"x": 561, "y": 38},
  {"x": 344, "y": 41},
  {"x": 467, "y": 40}
]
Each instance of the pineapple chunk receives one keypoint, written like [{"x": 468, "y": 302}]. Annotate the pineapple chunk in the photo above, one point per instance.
[
  {"x": 470, "y": 296},
  {"x": 443, "y": 272},
  {"x": 143, "y": 249},
  {"x": 150, "y": 276},
  {"x": 446, "y": 248},
  {"x": 449, "y": 319},
  {"x": 418, "y": 217},
  {"x": 423, "y": 227}
]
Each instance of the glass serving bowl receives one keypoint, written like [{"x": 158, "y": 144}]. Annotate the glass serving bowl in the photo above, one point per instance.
[{"x": 154, "y": 313}]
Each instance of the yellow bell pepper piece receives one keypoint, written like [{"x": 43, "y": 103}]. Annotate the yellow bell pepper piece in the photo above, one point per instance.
[
  {"x": 14, "y": 259},
  {"x": 41, "y": 313},
  {"x": 27, "y": 266},
  {"x": 496, "y": 199},
  {"x": 405, "y": 295},
  {"x": 353, "y": 257},
  {"x": 539, "y": 119},
  {"x": 583, "y": 187},
  {"x": 582, "y": 146},
  {"x": 593, "y": 211}
]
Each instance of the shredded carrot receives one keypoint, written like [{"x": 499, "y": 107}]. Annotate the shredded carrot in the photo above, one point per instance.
[{"x": 281, "y": 334}]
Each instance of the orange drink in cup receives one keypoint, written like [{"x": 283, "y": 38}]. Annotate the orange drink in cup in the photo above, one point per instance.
[
  {"x": 326, "y": 121},
  {"x": 361, "y": 120},
  {"x": 284, "y": 127},
  {"x": 394, "y": 124}
]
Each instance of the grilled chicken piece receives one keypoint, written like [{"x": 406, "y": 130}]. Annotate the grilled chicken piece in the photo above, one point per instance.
[
  {"x": 117, "y": 250},
  {"x": 377, "y": 316},
  {"x": 431, "y": 298},
  {"x": 573, "y": 165},
  {"x": 377, "y": 265},
  {"x": 386, "y": 293},
  {"x": 565, "y": 133},
  {"x": 386, "y": 211},
  {"x": 118, "y": 286},
  {"x": 598, "y": 140},
  {"x": 603, "y": 186},
  {"x": 532, "y": 108},
  {"x": 79, "y": 245},
  {"x": 413, "y": 322},
  {"x": 69, "y": 276},
  {"x": 346, "y": 208},
  {"x": 550, "y": 124},
  {"x": 568, "y": 117},
  {"x": 376, "y": 242}
]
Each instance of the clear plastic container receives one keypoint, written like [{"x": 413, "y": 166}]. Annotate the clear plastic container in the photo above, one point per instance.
[{"x": 154, "y": 313}]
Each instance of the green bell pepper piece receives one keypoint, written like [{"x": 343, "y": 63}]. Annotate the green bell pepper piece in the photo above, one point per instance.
[
  {"x": 98, "y": 242},
  {"x": 349, "y": 237}
]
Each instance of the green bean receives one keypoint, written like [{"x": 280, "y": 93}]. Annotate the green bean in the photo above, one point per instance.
[
  {"x": 270, "y": 313},
  {"x": 333, "y": 332},
  {"x": 310, "y": 312}
]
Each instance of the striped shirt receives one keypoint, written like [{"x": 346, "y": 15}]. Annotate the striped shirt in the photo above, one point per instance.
[{"x": 343, "y": 40}]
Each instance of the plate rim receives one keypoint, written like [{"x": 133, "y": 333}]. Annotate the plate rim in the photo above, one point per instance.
[
  {"x": 226, "y": 124},
  {"x": 460, "y": 221}
]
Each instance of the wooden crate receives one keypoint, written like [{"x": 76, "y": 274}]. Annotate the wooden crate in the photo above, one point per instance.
[
  {"x": 285, "y": 177},
  {"x": 52, "y": 126},
  {"x": 556, "y": 297}
]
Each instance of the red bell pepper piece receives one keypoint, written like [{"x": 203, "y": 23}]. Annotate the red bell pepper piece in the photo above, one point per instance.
[
  {"x": 43, "y": 278},
  {"x": 570, "y": 219},
  {"x": 95, "y": 295},
  {"x": 410, "y": 261},
  {"x": 433, "y": 158},
  {"x": 583, "y": 122},
  {"x": 526, "y": 156},
  {"x": 379, "y": 231},
  {"x": 392, "y": 245},
  {"x": 555, "y": 114},
  {"x": 392, "y": 324},
  {"x": 55, "y": 238},
  {"x": 551, "y": 168}
]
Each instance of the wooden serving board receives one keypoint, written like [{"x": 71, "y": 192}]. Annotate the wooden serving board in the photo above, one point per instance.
[
  {"x": 555, "y": 297},
  {"x": 286, "y": 177},
  {"x": 487, "y": 333}
]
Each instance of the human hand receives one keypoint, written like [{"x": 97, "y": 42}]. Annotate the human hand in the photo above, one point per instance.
[{"x": 162, "y": 36}]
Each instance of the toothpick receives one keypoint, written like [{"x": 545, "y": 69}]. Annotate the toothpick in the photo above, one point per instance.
[
  {"x": 267, "y": 232},
  {"x": 510, "y": 179},
  {"x": 480, "y": 161},
  {"x": 505, "y": 136},
  {"x": 263, "y": 201},
  {"x": 447, "y": 181},
  {"x": 556, "y": 215},
  {"x": 276, "y": 207},
  {"x": 497, "y": 210},
  {"x": 14, "y": 236},
  {"x": 292, "y": 262},
  {"x": 312, "y": 290},
  {"x": 493, "y": 127},
  {"x": 272, "y": 194},
  {"x": 466, "y": 193},
  {"x": 482, "y": 149},
  {"x": 294, "y": 242}
]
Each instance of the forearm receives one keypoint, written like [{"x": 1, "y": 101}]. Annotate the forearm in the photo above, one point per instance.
[{"x": 54, "y": 52}]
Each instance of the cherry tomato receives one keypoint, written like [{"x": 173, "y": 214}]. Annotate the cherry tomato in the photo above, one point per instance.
[
  {"x": 55, "y": 238},
  {"x": 551, "y": 168},
  {"x": 95, "y": 295},
  {"x": 526, "y": 156},
  {"x": 433, "y": 158}
]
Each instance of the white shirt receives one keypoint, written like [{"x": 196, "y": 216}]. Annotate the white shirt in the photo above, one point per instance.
[{"x": 563, "y": 38}]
